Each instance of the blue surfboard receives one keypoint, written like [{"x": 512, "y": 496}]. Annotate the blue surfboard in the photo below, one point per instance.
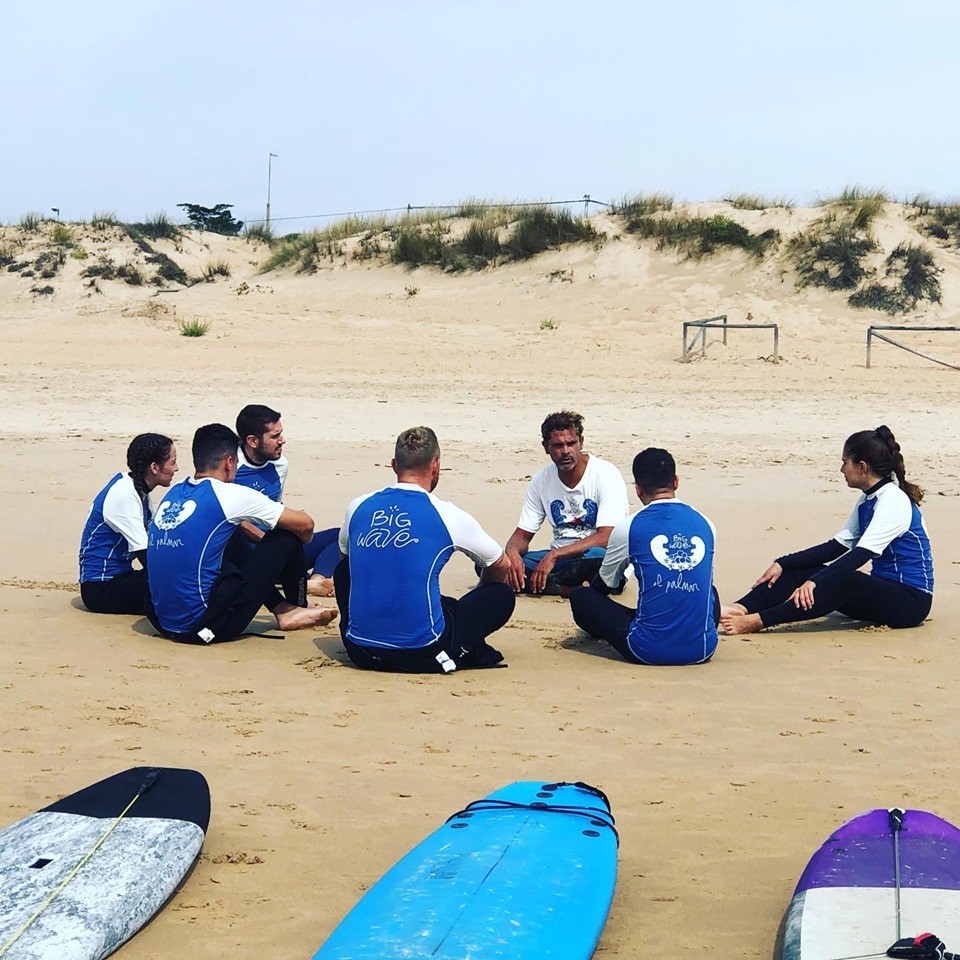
[{"x": 528, "y": 871}]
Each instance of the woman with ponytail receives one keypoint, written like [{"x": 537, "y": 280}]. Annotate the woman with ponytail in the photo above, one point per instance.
[
  {"x": 885, "y": 527},
  {"x": 116, "y": 529}
]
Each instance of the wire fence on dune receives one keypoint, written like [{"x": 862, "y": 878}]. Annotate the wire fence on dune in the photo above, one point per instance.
[{"x": 572, "y": 206}]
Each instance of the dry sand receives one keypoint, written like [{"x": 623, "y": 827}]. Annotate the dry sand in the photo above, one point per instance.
[{"x": 723, "y": 778}]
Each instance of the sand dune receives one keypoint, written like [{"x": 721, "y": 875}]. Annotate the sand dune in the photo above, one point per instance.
[{"x": 723, "y": 777}]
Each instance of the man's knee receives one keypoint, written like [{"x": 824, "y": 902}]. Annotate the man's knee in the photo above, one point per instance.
[{"x": 579, "y": 598}]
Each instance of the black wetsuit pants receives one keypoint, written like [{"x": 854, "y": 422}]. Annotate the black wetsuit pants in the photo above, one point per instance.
[
  {"x": 856, "y": 595},
  {"x": 247, "y": 582},
  {"x": 605, "y": 619},
  {"x": 467, "y": 624},
  {"x": 125, "y": 593}
]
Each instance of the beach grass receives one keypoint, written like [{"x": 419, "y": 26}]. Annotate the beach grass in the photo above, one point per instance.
[
  {"x": 634, "y": 206},
  {"x": 157, "y": 226},
  {"x": 699, "y": 237},
  {"x": 261, "y": 232},
  {"x": 539, "y": 229},
  {"x": 62, "y": 235},
  {"x": 168, "y": 271},
  {"x": 130, "y": 273},
  {"x": 30, "y": 221},
  {"x": 939, "y": 220},
  {"x": 832, "y": 255},
  {"x": 752, "y": 201},
  {"x": 193, "y": 328},
  {"x": 214, "y": 269},
  {"x": 104, "y": 219},
  {"x": 858, "y": 206}
]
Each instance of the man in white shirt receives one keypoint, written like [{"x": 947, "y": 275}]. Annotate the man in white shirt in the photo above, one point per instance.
[{"x": 584, "y": 497}]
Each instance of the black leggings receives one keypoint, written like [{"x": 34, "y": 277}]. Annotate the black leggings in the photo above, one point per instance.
[
  {"x": 467, "y": 624},
  {"x": 125, "y": 593},
  {"x": 247, "y": 582},
  {"x": 605, "y": 619},
  {"x": 856, "y": 595}
]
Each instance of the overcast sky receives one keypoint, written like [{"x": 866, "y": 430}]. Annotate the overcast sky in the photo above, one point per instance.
[{"x": 133, "y": 108}]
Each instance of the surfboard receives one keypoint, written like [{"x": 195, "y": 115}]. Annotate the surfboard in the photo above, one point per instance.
[
  {"x": 849, "y": 902},
  {"x": 526, "y": 872},
  {"x": 81, "y": 876}
]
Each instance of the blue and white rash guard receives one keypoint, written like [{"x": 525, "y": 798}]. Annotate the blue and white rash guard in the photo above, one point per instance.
[
  {"x": 186, "y": 542},
  {"x": 267, "y": 478},
  {"x": 889, "y": 525},
  {"x": 671, "y": 547},
  {"x": 398, "y": 540},
  {"x": 115, "y": 530}
]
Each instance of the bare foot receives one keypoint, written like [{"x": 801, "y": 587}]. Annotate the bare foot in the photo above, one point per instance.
[
  {"x": 741, "y": 623},
  {"x": 319, "y": 586},
  {"x": 290, "y": 617},
  {"x": 726, "y": 609}
]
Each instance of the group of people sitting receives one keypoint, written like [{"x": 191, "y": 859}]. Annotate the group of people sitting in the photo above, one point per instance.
[{"x": 222, "y": 544}]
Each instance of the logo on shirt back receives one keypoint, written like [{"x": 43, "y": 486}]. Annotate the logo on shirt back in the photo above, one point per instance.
[
  {"x": 678, "y": 553},
  {"x": 173, "y": 512},
  {"x": 388, "y": 528}
]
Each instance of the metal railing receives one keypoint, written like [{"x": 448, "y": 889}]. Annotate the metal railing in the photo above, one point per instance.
[
  {"x": 721, "y": 323},
  {"x": 872, "y": 332}
]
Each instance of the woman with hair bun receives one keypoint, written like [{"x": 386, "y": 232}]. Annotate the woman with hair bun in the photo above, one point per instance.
[
  {"x": 885, "y": 527},
  {"x": 116, "y": 529}
]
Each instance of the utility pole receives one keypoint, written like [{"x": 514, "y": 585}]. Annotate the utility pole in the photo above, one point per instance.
[{"x": 270, "y": 159}]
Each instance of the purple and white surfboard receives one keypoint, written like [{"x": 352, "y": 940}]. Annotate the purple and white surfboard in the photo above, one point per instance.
[{"x": 848, "y": 902}]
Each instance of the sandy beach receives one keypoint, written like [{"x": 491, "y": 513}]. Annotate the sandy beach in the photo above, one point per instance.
[{"x": 723, "y": 778}]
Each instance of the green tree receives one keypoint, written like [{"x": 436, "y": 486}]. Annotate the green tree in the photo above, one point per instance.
[{"x": 216, "y": 219}]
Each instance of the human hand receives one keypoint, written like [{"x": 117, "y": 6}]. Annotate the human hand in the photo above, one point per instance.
[
  {"x": 538, "y": 579},
  {"x": 517, "y": 573},
  {"x": 770, "y": 576},
  {"x": 802, "y": 597}
]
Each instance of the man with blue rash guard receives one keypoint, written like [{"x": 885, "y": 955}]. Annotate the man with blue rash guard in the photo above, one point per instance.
[
  {"x": 395, "y": 542},
  {"x": 671, "y": 548},
  {"x": 206, "y": 584},
  {"x": 263, "y": 467}
]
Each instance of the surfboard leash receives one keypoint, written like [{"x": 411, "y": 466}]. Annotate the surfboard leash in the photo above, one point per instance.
[
  {"x": 597, "y": 818},
  {"x": 896, "y": 824},
  {"x": 580, "y": 785},
  {"x": 150, "y": 779}
]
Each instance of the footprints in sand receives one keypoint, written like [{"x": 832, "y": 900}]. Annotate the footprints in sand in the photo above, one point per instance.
[
  {"x": 23, "y": 584},
  {"x": 316, "y": 664},
  {"x": 233, "y": 858}
]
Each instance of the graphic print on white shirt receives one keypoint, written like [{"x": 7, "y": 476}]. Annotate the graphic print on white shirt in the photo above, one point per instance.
[{"x": 598, "y": 500}]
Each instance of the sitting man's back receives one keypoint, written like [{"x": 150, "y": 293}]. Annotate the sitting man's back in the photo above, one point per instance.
[
  {"x": 671, "y": 546},
  {"x": 396, "y": 541}
]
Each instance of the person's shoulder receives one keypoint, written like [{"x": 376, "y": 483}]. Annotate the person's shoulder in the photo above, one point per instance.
[
  {"x": 356, "y": 501},
  {"x": 120, "y": 483},
  {"x": 892, "y": 491},
  {"x": 448, "y": 510},
  {"x": 544, "y": 474}
]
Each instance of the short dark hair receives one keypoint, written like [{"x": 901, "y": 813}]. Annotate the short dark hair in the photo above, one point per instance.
[
  {"x": 562, "y": 420},
  {"x": 654, "y": 469},
  {"x": 211, "y": 444},
  {"x": 416, "y": 448},
  {"x": 254, "y": 419}
]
